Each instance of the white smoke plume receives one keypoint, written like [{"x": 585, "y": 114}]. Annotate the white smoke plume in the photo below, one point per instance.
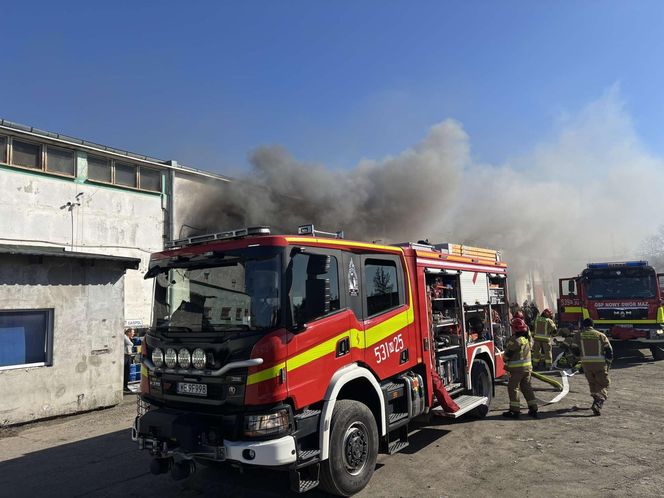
[{"x": 592, "y": 192}]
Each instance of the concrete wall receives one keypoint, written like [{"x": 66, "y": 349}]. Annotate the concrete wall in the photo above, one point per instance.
[
  {"x": 109, "y": 220},
  {"x": 88, "y": 329}
]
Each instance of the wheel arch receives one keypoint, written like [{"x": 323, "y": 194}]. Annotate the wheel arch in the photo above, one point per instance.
[
  {"x": 356, "y": 383},
  {"x": 482, "y": 353}
]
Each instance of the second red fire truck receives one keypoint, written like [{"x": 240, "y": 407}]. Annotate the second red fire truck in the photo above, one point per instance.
[
  {"x": 624, "y": 299},
  {"x": 311, "y": 353}
]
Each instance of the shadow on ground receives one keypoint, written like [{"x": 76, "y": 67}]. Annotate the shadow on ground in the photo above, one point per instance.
[{"x": 111, "y": 465}]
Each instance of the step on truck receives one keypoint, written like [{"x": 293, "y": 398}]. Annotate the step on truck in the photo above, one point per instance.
[
  {"x": 624, "y": 299},
  {"x": 310, "y": 353}
]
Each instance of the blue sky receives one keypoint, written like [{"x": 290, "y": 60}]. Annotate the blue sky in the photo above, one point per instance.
[{"x": 333, "y": 82}]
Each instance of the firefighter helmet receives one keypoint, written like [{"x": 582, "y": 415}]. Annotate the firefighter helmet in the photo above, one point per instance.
[
  {"x": 518, "y": 325},
  {"x": 547, "y": 313}
]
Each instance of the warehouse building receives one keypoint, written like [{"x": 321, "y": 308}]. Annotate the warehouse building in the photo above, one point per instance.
[{"x": 79, "y": 221}]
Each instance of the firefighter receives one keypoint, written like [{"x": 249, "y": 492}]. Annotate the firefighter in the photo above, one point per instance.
[
  {"x": 596, "y": 357},
  {"x": 518, "y": 363},
  {"x": 544, "y": 331}
]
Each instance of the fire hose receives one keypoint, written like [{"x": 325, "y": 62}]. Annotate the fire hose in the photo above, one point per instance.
[{"x": 563, "y": 386}]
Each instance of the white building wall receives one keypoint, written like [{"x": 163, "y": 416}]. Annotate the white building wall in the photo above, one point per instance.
[
  {"x": 109, "y": 220},
  {"x": 87, "y": 367}
]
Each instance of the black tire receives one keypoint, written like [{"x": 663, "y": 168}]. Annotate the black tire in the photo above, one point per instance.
[
  {"x": 657, "y": 352},
  {"x": 353, "y": 449},
  {"x": 482, "y": 380}
]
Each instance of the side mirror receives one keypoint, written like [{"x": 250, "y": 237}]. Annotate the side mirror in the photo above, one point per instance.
[{"x": 571, "y": 287}]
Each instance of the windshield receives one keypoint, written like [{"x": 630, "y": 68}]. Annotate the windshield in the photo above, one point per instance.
[
  {"x": 621, "y": 284},
  {"x": 219, "y": 291}
]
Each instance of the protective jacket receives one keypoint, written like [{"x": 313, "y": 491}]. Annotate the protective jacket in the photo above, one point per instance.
[
  {"x": 593, "y": 346},
  {"x": 517, "y": 354},
  {"x": 544, "y": 328}
]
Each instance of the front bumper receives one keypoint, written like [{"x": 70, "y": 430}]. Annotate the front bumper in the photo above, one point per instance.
[
  {"x": 273, "y": 453},
  {"x": 166, "y": 434}
]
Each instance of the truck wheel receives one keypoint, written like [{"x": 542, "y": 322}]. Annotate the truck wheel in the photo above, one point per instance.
[
  {"x": 480, "y": 376},
  {"x": 353, "y": 449},
  {"x": 657, "y": 352}
]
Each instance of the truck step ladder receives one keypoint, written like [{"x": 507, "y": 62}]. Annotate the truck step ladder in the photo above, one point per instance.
[{"x": 466, "y": 403}]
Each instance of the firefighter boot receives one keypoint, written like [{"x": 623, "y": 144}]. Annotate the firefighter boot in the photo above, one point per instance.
[
  {"x": 532, "y": 412},
  {"x": 596, "y": 407},
  {"x": 511, "y": 414}
]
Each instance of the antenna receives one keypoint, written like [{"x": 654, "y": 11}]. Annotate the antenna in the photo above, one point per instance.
[{"x": 69, "y": 206}]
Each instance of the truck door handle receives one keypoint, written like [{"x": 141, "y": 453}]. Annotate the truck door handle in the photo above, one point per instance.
[{"x": 343, "y": 347}]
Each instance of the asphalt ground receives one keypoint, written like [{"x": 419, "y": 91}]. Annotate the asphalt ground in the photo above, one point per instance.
[{"x": 566, "y": 452}]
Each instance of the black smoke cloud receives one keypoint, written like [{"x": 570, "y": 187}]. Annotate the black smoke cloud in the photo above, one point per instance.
[
  {"x": 395, "y": 199},
  {"x": 590, "y": 192}
]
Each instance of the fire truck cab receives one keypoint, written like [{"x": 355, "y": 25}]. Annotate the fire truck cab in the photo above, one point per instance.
[
  {"x": 624, "y": 299},
  {"x": 311, "y": 353}
]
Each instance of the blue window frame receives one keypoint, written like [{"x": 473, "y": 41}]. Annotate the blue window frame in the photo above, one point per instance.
[{"x": 26, "y": 338}]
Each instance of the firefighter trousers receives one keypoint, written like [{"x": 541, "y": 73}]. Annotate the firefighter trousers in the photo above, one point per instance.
[
  {"x": 542, "y": 352},
  {"x": 598, "y": 379},
  {"x": 520, "y": 381}
]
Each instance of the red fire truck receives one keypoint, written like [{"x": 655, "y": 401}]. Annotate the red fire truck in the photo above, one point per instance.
[
  {"x": 311, "y": 353},
  {"x": 624, "y": 299}
]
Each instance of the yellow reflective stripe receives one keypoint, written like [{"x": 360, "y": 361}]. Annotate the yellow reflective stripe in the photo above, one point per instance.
[
  {"x": 598, "y": 360},
  {"x": 541, "y": 338},
  {"x": 144, "y": 371},
  {"x": 586, "y": 313},
  {"x": 635, "y": 322},
  {"x": 266, "y": 374},
  {"x": 337, "y": 242},
  {"x": 322, "y": 349},
  {"x": 573, "y": 309},
  {"x": 660, "y": 314},
  {"x": 385, "y": 329},
  {"x": 357, "y": 340},
  {"x": 519, "y": 363}
]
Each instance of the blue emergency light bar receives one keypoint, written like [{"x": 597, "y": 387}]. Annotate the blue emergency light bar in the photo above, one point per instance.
[{"x": 615, "y": 264}]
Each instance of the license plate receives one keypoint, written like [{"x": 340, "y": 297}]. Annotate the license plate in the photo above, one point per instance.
[{"x": 192, "y": 389}]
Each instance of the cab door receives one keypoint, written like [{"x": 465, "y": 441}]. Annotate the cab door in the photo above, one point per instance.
[
  {"x": 388, "y": 318},
  {"x": 569, "y": 302},
  {"x": 321, "y": 323}
]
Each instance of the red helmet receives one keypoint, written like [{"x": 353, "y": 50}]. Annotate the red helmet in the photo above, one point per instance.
[
  {"x": 519, "y": 314},
  {"x": 547, "y": 313},
  {"x": 518, "y": 325}
]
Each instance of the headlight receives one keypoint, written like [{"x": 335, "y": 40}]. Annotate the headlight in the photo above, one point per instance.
[
  {"x": 170, "y": 358},
  {"x": 198, "y": 359},
  {"x": 267, "y": 424},
  {"x": 158, "y": 358},
  {"x": 184, "y": 358}
]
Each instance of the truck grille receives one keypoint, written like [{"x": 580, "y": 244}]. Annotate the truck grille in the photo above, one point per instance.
[{"x": 622, "y": 313}]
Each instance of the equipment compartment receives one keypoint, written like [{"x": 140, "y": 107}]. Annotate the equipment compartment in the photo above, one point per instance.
[{"x": 445, "y": 321}]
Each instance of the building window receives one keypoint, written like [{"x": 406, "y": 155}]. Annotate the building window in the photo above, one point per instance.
[
  {"x": 150, "y": 179},
  {"x": 99, "y": 169},
  {"x": 125, "y": 175},
  {"x": 60, "y": 161},
  {"x": 3, "y": 149},
  {"x": 381, "y": 283},
  {"x": 26, "y": 154},
  {"x": 26, "y": 337}
]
